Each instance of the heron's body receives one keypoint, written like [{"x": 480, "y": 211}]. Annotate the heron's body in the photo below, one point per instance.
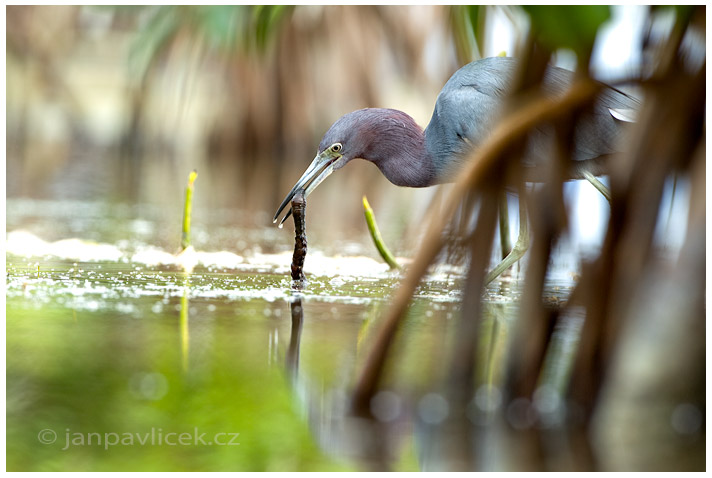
[
  {"x": 464, "y": 115},
  {"x": 471, "y": 101}
]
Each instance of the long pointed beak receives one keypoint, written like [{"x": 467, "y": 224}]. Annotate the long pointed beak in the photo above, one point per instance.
[{"x": 317, "y": 171}]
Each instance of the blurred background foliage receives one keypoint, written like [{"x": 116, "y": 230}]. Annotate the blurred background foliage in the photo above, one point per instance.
[{"x": 119, "y": 103}]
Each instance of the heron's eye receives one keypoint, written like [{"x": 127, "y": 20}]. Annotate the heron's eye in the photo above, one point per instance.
[{"x": 336, "y": 147}]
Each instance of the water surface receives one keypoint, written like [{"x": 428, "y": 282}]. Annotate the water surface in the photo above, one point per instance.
[{"x": 110, "y": 340}]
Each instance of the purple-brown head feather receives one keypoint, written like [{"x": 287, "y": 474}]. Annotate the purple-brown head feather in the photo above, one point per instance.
[{"x": 388, "y": 138}]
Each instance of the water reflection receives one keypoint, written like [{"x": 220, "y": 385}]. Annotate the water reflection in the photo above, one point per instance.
[
  {"x": 410, "y": 421},
  {"x": 292, "y": 361},
  {"x": 403, "y": 429},
  {"x": 184, "y": 331}
]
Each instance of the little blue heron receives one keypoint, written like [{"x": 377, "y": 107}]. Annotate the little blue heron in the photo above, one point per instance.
[{"x": 465, "y": 112}]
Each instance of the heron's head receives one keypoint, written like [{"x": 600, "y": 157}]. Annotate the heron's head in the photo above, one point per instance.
[
  {"x": 374, "y": 134},
  {"x": 341, "y": 143}
]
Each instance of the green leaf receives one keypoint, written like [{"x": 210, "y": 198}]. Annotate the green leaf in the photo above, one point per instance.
[
  {"x": 475, "y": 13},
  {"x": 150, "y": 42},
  {"x": 467, "y": 23},
  {"x": 265, "y": 20},
  {"x": 218, "y": 25},
  {"x": 567, "y": 26}
]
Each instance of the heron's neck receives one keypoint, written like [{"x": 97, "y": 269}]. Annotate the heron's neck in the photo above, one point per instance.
[
  {"x": 411, "y": 166},
  {"x": 400, "y": 153}
]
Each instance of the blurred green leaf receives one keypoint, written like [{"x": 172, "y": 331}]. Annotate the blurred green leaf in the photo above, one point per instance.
[
  {"x": 159, "y": 31},
  {"x": 568, "y": 26},
  {"x": 467, "y": 23},
  {"x": 218, "y": 25},
  {"x": 266, "y": 19},
  {"x": 475, "y": 14},
  {"x": 220, "y": 28}
]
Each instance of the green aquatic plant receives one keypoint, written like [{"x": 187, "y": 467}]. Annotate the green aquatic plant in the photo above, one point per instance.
[
  {"x": 376, "y": 235},
  {"x": 187, "y": 209}
]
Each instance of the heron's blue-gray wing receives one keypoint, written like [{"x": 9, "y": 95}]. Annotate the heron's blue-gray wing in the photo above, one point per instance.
[{"x": 464, "y": 111}]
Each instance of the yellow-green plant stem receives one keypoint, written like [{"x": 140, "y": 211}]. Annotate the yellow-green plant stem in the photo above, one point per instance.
[
  {"x": 376, "y": 235},
  {"x": 185, "y": 238}
]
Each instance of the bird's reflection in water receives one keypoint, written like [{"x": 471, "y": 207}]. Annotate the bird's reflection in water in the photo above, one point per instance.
[
  {"x": 292, "y": 361},
  {"x": 370, "y": 442}
]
